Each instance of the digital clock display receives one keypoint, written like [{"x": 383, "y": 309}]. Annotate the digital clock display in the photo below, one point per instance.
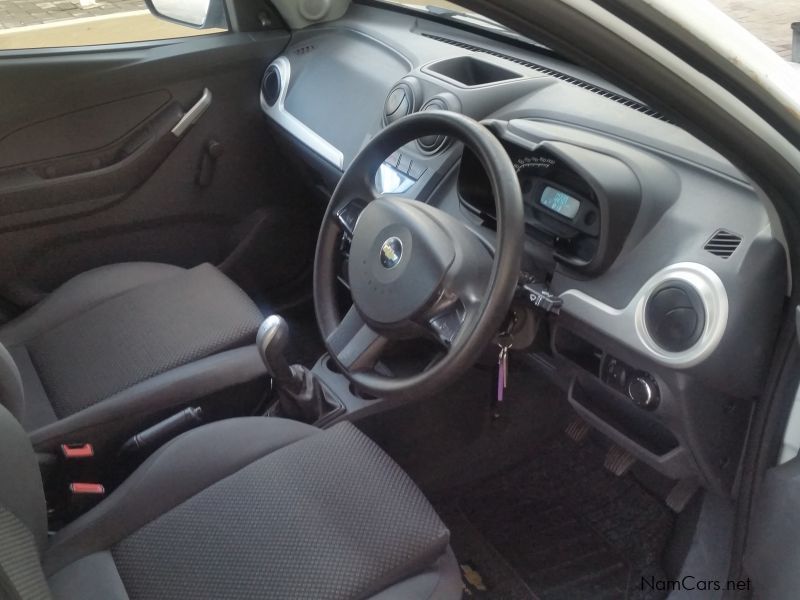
[{"x": 559, "y": 202}]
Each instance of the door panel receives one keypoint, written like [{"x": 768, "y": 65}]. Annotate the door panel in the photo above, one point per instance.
[
  {"x": 76, "y": 182},
  {"x": 90, "y": 173},
  {"x": 80, "y": 131},
  {"x": 772, "y": 559}
]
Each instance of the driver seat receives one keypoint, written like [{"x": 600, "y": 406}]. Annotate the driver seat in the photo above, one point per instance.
[{"x": 238, "y": 509}]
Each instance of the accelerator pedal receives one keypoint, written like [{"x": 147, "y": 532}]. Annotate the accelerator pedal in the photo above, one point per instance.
[
  {"x": 618, "y": 460},
  {"x": 577, "y": 430},
  {"x": 681, "y": 494}
]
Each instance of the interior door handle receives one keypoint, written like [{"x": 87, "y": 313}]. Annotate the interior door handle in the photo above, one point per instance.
[{"x": 193, "y": 114}]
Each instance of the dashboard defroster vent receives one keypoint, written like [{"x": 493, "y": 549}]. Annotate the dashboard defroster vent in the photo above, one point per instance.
[
  {"x": 723, "y": 243},
  {"x": 595, "y": 89}
]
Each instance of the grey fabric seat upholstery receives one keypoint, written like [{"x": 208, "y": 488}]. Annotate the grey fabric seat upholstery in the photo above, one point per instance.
[
  {"x": 249, "y": 508},
  {"x": 116, "y": 348}
]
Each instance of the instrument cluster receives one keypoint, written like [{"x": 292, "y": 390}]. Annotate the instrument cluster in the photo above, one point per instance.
[{"x": 561, "y": 209}]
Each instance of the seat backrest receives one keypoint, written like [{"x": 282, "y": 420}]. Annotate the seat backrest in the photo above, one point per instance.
[
  {"x": 23, "y": 515},
  {"x": 11, "y": 391}
]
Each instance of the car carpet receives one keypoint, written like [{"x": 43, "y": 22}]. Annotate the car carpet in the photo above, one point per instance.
[
  {"x": 453, "y": 439},
  {"x": 558, "y": 526}
]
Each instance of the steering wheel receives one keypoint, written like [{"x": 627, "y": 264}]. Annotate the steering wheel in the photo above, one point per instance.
[{"x": 415, "y": 270}]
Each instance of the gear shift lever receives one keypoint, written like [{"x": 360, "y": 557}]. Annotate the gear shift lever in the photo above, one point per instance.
[
  {"x": 272, "y": 339},
  {"x": 301, "y": 396}
]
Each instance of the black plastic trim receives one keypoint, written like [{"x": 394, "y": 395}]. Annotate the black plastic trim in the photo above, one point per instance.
[{"x": 595, "y": 89}]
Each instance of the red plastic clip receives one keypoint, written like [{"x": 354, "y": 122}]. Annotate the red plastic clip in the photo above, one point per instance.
[
  {"x": 87, "y": 488},
  {"x": 77, "y": 450}
]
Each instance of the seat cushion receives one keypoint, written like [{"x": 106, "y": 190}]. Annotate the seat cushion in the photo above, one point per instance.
[
  {"x": 95, "y": 577},
  {"x": 81, "y": 293},
  {"x": 111, "y": 329},
  {"x": 327, "y": 515}
]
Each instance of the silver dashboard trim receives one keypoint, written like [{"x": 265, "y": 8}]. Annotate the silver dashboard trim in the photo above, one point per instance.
[
  {"x": 389, "y": 180},
  {"x": 292, "y": 124},
  {"x": 627, "y": 325}
]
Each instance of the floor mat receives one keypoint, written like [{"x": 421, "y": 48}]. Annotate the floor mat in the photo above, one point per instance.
[
  {"x": 453, "y": 440},
  {"x": 557, "y": 527}
]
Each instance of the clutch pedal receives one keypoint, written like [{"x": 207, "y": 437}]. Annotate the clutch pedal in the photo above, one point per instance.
[{"x": 577, "y": 430}]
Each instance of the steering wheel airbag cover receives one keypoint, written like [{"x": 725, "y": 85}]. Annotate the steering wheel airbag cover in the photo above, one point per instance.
[{"x": 398, "y": 259}]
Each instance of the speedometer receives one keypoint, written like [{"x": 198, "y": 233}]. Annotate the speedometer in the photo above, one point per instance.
[
  {"x": 531, "y": 168},
  {"x": 532, "y": 164}
]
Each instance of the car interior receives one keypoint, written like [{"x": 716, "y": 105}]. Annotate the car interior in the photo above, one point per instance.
[{"x": 367, "y": 302}]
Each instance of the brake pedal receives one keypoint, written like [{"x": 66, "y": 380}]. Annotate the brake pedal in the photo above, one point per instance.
[
  {"x": 577, "y": 430},
  {"x": 618, "y": 460},
  {"x": 681, "y": 494}
]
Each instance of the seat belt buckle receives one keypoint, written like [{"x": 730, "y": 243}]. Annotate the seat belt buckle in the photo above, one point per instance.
[
  {"x": 83, "y": 496},
  {"x": 84, "y": 489},
  {"x": 71, "y": 451}
]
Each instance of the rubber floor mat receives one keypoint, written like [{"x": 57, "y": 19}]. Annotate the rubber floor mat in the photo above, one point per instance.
[{"x": 557, "y": 527}]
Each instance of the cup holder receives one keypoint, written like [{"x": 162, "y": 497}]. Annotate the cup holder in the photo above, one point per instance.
[
  {"x": 331, "y": 365},
  {"x": 362, "y": 395}
]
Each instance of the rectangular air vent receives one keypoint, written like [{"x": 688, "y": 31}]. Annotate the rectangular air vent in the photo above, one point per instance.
[
  {"x": 595, "y": 89},
  {"x": 723, "y": 243}
]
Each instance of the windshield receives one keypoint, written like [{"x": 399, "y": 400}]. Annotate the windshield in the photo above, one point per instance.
[{"x": 769, "y": 20}]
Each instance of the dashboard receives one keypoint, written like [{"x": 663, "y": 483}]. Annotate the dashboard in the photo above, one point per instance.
[{"x": 652, "y": 259}]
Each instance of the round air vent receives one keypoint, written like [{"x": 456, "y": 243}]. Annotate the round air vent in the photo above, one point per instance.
[
  {"x": 675, "y": 316},
  {"x": 431, "y": 144},
  {"x": 271, "y": 85},
  {"x": 399, "y": 103}
]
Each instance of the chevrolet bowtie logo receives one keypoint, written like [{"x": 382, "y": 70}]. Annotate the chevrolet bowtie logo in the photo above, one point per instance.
[{"x": 391, "y": 252}]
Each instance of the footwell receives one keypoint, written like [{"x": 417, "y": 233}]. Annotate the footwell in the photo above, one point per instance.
[{"x": 558, "y": 527}]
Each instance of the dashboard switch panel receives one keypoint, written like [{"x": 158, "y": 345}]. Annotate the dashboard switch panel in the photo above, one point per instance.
[
  {"x": 348, "y": 216},
  {"x": 643, "y": 391},
  {"x": 640, "y": 387}
]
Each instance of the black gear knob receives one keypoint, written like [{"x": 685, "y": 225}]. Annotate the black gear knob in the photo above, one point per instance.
[{"x": 272, "y": 338}]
